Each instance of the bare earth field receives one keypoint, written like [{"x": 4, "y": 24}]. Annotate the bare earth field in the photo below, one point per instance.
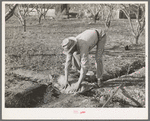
[{"x": 38, "y": 52}]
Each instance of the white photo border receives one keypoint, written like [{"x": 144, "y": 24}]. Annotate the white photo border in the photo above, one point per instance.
[{"x": 68, "y": 113}]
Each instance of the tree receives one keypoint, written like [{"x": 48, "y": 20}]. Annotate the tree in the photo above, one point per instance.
[
  {"x": 109, "y": 9},
  {"x": 98, "y": 11},
  {"x": 62, "y": 9},
  {"x": 139, "y": 11},
  {"x": 10, "y": 13},
  {"x": 42, "y": 10},
  {"x": 21, "y": 12},
  {"x": 91, "y": 11}
]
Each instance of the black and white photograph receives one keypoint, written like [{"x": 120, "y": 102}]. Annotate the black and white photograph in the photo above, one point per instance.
[{"x": 75, "y": 60}]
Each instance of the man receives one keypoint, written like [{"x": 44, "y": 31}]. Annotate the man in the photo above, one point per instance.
[{"x": 77, "y": 51}]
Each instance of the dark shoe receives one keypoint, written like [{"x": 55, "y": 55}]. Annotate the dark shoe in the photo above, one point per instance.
[{"x": 100, "y": 83}]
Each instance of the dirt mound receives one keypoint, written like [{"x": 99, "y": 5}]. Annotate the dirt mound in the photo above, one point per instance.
[{"x": 123, "y": 70}]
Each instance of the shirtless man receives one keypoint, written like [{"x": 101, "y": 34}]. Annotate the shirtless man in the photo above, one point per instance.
[{"x": 77, "y": 52}]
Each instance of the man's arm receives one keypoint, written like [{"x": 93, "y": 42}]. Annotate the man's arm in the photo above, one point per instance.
[
  {"x": 67, "y": 67},
  {"x": 83, "y": 72},
  {"x": 84, "y": 66}
]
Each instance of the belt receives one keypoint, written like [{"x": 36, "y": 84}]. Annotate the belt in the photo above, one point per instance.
[{"x": 97, "y": 35}]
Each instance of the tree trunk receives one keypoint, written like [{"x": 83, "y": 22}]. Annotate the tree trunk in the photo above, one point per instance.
[
  {"x": 107, "y": 22},
  {"x": 45, "y": 12},
  {"x": 94, "y": 19},
  {"x": 103, "y": 15},
  {"x": 40, "y": 18},
  {"x": 24, "y": 25},
  {"x": 136, "y": 39},
  {"x": 68, "y": 15},
  {"x": 44, "y": 16}
]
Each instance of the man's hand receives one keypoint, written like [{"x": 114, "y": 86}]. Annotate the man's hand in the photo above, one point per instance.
[
  {"x": 66, "y": 84},
  {"x": 75, "y": 87}
]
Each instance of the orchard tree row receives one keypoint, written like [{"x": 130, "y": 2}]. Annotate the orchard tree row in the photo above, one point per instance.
[{"x": 93, "y": 11}]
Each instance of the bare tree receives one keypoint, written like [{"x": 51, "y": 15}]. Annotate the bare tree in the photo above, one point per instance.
[
  {"x": 10, "y": 13},
  {"x": 92, "y": 11},
  {"x": 98, "y": 11},
  {"x": 60, "y": 10},
  {"x": 109, "y": 8},
  {"x": 89, "y": 11},
  {"x": 42, "y": 10},
  {"x": 139, "y": 11},
  {"x": 21, "y": 12}
]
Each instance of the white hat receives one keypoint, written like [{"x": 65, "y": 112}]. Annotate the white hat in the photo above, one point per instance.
[{"x": 68, "y": 44}]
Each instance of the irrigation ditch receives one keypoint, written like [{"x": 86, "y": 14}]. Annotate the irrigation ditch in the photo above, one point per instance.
[{"x": 35, "y": 89}]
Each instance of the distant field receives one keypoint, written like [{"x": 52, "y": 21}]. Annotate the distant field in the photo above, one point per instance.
[{"x": 39, "y": 49}]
